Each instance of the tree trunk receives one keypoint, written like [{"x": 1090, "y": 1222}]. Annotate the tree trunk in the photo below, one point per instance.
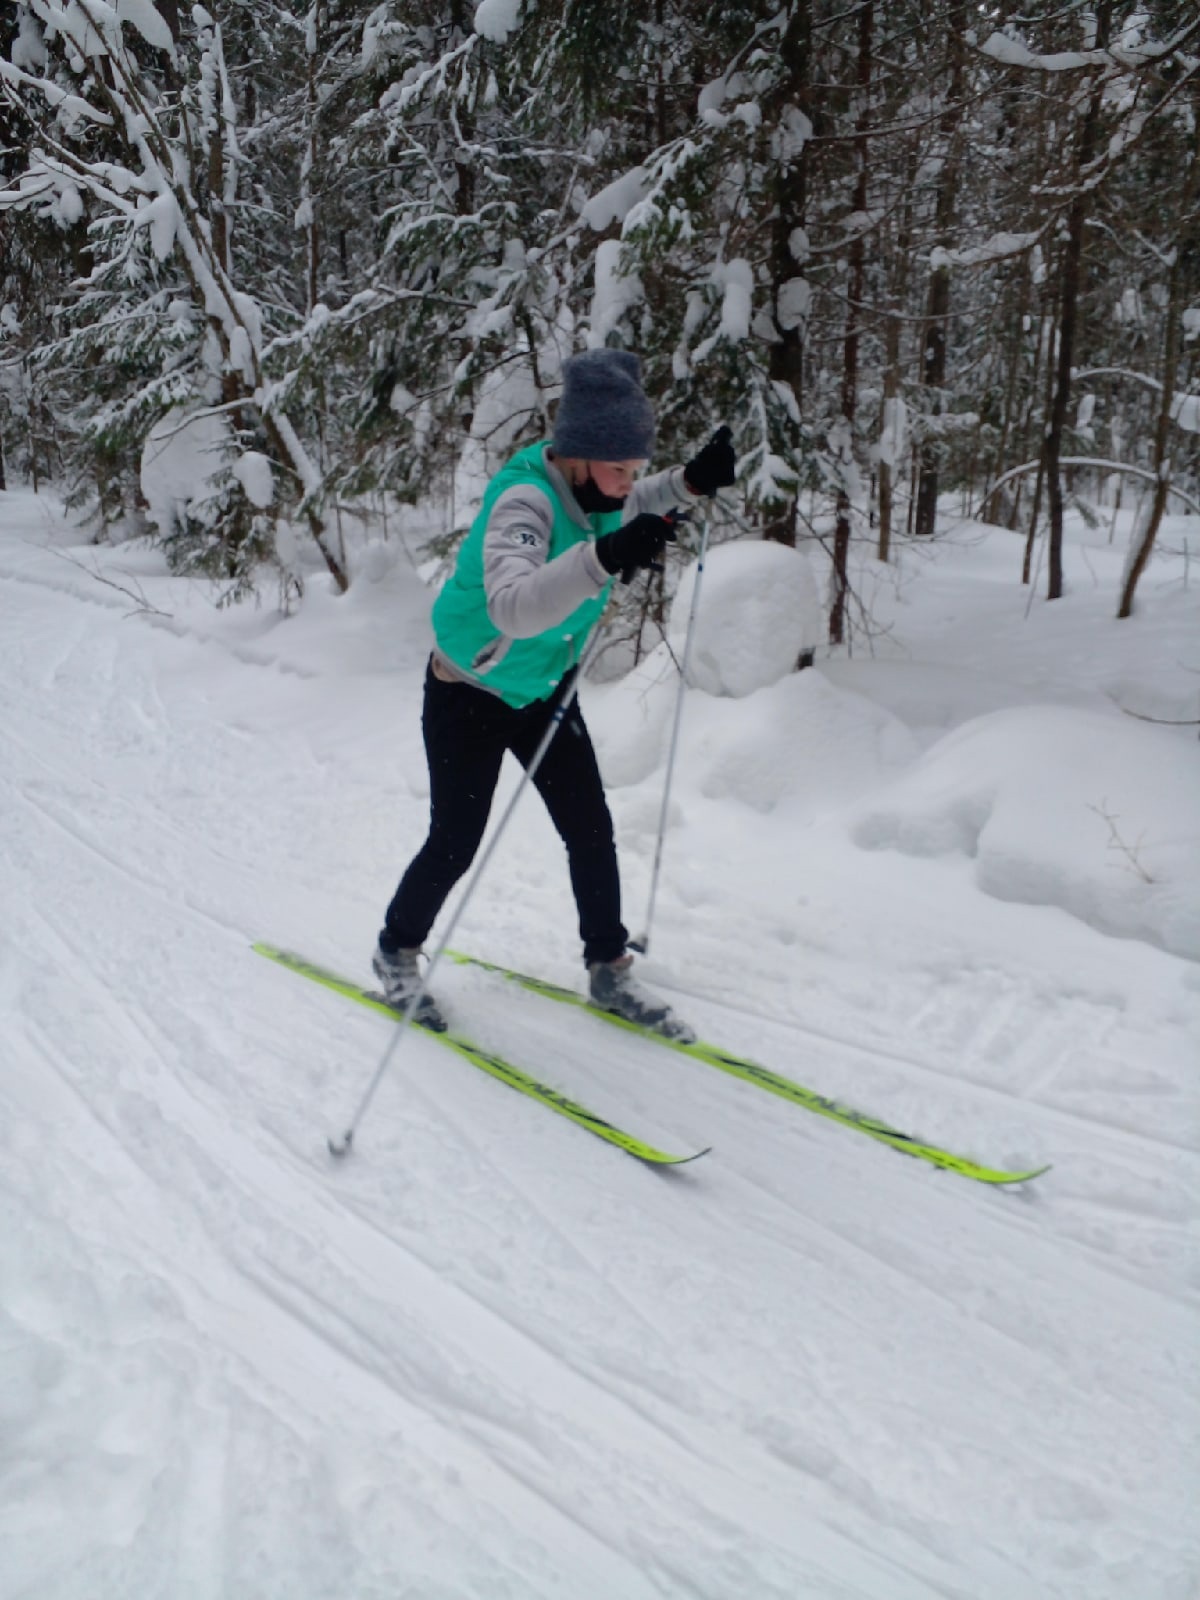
[
  {"x": 1031, "y": 537},
  {"x": 785, "y": 362},
  {"x": 1068, "y": 315},
  {"x": 854, "y": 297},
  {"x": 933, "y": 365},
  {"x": 891, "y": 394},
  {"x": 1049, "y": 341},
  {"x": 890, "y": 468},
  {"x": 317, "y": 27},
  {"x": 934, "y": 377},
  {"x": 1183, "y": 268},
  {"x": 791, "y": 200},
  {"x": 1019, "y": 313}
]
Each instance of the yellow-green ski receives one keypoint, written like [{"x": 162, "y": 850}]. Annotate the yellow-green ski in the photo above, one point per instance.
[
  {"x": 774, "y": 1082},
  {"x": 494, "y": 1065}
]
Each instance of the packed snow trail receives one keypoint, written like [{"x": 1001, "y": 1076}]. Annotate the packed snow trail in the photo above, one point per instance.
[{"x": 492, "y": 1357}]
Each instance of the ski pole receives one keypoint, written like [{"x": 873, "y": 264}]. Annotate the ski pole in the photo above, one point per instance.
[
  {"x": 642, "y": 943},
  {"x": 341, "y": 1147}
]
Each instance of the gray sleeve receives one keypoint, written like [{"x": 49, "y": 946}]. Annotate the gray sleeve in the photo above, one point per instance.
[
  {"x": 526, "y": 593},
  {"x": 661, "y": 492}
]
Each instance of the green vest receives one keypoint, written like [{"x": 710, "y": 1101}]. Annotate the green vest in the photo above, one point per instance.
[{"x": 520, "y": 671}]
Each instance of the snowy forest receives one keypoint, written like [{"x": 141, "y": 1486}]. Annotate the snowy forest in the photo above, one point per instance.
[
  {"x": 887, "y": 1287},
  {"x": 340, "y": 249}
]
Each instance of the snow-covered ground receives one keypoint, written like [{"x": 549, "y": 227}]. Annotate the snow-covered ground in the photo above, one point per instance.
[{"x": 955, "y": 883}]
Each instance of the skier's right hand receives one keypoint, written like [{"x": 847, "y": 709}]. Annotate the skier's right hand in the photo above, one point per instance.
[{"x": 638, "y": 543}]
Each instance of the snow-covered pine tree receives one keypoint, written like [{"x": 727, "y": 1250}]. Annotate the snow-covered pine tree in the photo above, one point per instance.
[
  {"x": 455, "y": 319},
  {"x": 746, "y": 265},
  {"x": 88, "y": 334},
  {"x": 134, "y": 125}
]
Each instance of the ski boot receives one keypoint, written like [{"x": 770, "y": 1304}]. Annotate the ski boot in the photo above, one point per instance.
[
  {"x": 400, "y": 977},
  {"x": 612, "y": 988}
]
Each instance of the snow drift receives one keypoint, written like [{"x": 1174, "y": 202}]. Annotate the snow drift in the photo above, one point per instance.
[{"x": 1092, "y": 814}]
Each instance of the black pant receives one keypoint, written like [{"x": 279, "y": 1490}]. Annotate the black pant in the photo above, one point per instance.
[{"x": 466, "y": 733}]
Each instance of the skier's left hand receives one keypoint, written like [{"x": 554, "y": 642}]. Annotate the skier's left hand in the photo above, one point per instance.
[{"x": 714, "y": 467}]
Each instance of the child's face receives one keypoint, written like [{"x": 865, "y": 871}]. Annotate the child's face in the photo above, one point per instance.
[{"x": 615, "y": 478}]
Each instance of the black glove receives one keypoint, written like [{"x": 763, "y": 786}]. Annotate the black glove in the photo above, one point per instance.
[
  {"x": 715, "y": 467},
  {"x": 636, "y": 544}
]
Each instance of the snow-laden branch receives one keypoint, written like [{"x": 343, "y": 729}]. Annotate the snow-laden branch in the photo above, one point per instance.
[
  {"x": 1101, "y": 465},
  {"x": 1000, "y": 247},
  {"x": 1185, "y": 407},
  {"x": 1143, "y": 378},
  {"x": 1126, "y": 55},
  {"x": 30, "y": 187},
  {"x": 100, "y": 33},
  {"x": 70, "y": 107},
  {"x": 65, "y": 173},
  {"x": 666, "y": 166},
  {"x": 401, "y": 96}
]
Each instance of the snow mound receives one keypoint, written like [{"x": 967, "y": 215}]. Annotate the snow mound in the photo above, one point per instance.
[
  {"x": 180, "y": 458},
  {"x": 630, "y": 720},
  {"x": 253, "y": 471},
  {"x": 758, "y": 612},
  {"x": 800, "y": 746},
  {"x": 1087, "y": 812}
]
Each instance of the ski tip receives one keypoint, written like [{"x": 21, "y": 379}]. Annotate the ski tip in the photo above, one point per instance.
[
  {"x": 677, "y": 1161},
  {"x": 1010, "y": 1178},
  {"x": 990, "y": 1175}
]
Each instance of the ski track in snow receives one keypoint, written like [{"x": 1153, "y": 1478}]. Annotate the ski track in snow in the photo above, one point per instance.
[{"x": 491, "y": 1357}]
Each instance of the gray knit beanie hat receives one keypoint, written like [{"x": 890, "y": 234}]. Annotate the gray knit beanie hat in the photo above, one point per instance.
[{"x": 604, "y": 414}]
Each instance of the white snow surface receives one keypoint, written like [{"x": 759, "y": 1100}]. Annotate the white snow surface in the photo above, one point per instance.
[
  {"x": 1185, "y": 410},
  {"x": 614, "y": 202},
  {"x": 182, "y": 455},
  {"x": 253, "y": 471},
  {"x": 792, "y": 302},
  {"x": 148, "y": 22},
  {"x": 1038, "y": 797},
  {"x": 490, "y": 1357},
  {"x": 757, "y": 610},
  {"x": 614, "y": 295},
  {"x": 496, "y": 19}
]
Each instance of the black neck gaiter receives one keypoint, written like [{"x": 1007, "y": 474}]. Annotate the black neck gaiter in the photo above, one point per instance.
[{"x": 590, "y": 499}]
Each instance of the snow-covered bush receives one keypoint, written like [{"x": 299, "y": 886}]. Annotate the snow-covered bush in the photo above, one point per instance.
[{"x": 207, "y": 503}]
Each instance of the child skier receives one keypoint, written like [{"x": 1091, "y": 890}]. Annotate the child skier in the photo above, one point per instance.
[{"x": 529, "y": 585}]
